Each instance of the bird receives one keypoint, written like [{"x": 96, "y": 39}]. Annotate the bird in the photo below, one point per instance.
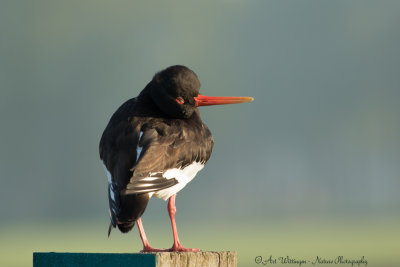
[{"x": 154, "y": 145}]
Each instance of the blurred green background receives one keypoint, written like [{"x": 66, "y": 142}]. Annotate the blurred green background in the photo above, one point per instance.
[{"x": 310, "y": 168}]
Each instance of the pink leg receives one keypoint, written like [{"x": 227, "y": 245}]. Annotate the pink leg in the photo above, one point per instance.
[
  {"x": 146, "y": 244},
  {"x": 177, "y": 244}
]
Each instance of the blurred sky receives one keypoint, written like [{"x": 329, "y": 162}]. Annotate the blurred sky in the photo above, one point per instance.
[{"x": 322, "y": 137}]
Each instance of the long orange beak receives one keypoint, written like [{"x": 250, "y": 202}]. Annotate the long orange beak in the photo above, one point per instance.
[{"x": 202, "y": 100}]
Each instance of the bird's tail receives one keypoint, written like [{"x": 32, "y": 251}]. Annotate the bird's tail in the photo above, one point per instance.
[
  {"x": 126, "y": 226},
  {"x": 123, "y": 227},
  {"x": 110, "y": 228},
  {"x": 131, "y": 208}
]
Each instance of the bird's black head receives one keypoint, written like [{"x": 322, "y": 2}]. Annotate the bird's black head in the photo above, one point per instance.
[{"x": 174, "y": 90}]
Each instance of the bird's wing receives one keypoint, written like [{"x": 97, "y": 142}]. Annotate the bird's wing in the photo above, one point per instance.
[
  {"x": 118, "y": 152},
  {"x": 163, "y": 148},
  {"x": 136, "y": 152}
]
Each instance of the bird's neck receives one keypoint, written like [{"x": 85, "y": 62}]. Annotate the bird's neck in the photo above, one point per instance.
[{"x": 144, "y": 95}]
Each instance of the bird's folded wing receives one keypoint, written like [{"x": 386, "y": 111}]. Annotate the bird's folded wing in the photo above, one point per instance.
[
  {"x": 159, "y": 153},
  {"x": 149, "y": 184}
]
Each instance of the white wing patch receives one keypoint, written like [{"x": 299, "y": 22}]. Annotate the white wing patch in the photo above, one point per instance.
[
  {"x": 139, "y": 148},
  {"x": 183, "y": 176},
  {"x": 112, "y": 192},
  {"x": 108, "y": 174},
  {"x": 149, "y": 179},
  {"x": 111, "y": 186}
]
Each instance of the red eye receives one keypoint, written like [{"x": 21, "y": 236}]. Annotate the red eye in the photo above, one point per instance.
[{"x": 180, "y": 100}]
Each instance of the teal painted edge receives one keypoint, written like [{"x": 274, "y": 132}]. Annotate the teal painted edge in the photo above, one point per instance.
[{"x": 50, "y": 259}]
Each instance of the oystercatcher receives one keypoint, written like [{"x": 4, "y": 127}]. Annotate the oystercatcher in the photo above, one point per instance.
[{"x": 155, "y": 144}]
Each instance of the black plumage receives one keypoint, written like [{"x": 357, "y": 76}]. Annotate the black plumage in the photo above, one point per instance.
[
  {"x": 171, "y": 138},
  {"x": 154, "y": 145}
]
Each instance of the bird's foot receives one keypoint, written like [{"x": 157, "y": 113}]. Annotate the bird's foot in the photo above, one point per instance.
[{"x": 179, "y": 248}]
